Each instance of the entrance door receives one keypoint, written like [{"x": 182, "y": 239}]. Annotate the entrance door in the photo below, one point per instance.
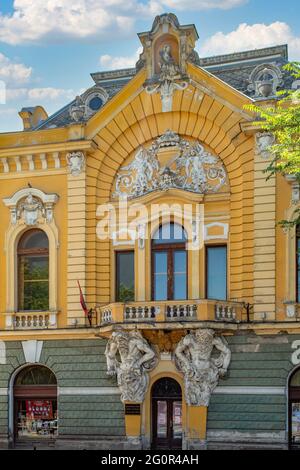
[
  {"x": 35, "y": 405},
  {"x": 166, "y": 415}
]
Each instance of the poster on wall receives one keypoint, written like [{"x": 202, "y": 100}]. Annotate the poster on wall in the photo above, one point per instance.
[{"x": 39, "y": 409}]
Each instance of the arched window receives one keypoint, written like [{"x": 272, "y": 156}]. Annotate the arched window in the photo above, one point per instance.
[
  {"x": 33, "y": 271},
  {"x": 35, "y": 402},
  {"x": 169, "y": 263},
  {"x": 298, "y": 263},
  {"x": 294, "y": 410}
]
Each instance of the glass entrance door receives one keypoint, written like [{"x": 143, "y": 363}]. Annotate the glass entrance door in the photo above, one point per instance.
[
  {"x": 166, "y": 415},
  {"x": 167, "y": 429}
]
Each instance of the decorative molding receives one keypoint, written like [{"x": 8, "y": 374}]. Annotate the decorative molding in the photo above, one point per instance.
[
  {"x": 264, "y": 140},
  {"x": 88, "y": 391},
  {"x": 2, "y": 353},
  {"x": 32, "y": 351},
  {"x": 141, "y": 234},
  {"x": 76, "y": 162},
  {"x": 291, "y": 310},
  {"x": 265, "y": 80},
  {"x": 193, "y": 169},
  {"x": 129, "y": 357},
  {"x": 165, "y": 341},
  {"x": 169, "y": 80},
  {"x": 124, "y": 237},
  {"x": 167, "y": 49},
  {"x": 31, "y": 205},
  {"x": 216, "y": 237},
  {"x": 249, "y": 390},
  {"x": 201, "y": 370},
  {"x": 24, "y": 216},
  {"x": 31, "y": 163},
  {"x": 295, "y": 183}
]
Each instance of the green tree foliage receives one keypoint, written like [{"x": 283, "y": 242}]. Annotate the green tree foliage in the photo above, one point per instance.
[{"x": 283, "y": 120}]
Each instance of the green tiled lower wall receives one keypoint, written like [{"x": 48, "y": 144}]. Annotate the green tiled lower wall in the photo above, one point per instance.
[
  {"x": 78, "y": 363},
  {"x": 3, "y": 414},
  {"x": 256, "y": 361},
  {"x": 246, "y": 413},
  {"x": 91, "y": 415}
]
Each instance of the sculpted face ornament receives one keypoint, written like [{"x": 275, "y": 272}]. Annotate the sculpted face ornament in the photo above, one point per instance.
[
  {"x": 193, "y": 169},
  {"x": 129, "y": 357},
  {"x": 76, "y": 163},
  {"x": 193, "y": 357}
]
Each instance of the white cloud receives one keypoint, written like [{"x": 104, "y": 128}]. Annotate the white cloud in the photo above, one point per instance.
[
  {"x": 254, "y": 36},
  {"x": 13, "y": 73},
  {"x": 109, "y": 62},
  {"x": 38, "y": 95},
  {"x": 52, "y": 21},
  {"x": 203, "y": 4}
]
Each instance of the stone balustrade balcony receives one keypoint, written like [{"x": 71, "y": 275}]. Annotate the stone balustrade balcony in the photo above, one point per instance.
[
  {"x": 171, "y": 312},
  {"x": 31, "y": 320}
]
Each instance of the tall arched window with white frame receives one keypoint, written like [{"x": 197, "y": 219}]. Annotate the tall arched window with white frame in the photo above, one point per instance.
[{"x": 33, "y": 271}]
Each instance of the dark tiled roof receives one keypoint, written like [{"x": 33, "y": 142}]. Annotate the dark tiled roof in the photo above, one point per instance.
[{"x": 234, "y": 69}]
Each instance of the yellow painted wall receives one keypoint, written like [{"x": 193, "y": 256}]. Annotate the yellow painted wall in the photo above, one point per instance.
[{"x": 207, "y": 111}]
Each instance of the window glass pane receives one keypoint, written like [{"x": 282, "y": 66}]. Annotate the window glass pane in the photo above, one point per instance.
[
  {"x": 36, "y": 376},
  {"x": 34, "y": 240},
  {"x": 295, "y": 423},
  {"x": 125, "y": 276},
  {"x": 160, "y": 276},
  {"x": 35, "y": 296},
  {"x": 35, "y": 267},
  {"x": 162, "y": 425},
  {"x": 295, "y": 381},
  {"x": 37, "y": 418},
  {"x": 169, "y": 233},
  {"x": 180, "y": 275},
  {"x": 177, "y": 420},
  {"x": 33, "y": 283},
  {"x": 216, "y": 272}
]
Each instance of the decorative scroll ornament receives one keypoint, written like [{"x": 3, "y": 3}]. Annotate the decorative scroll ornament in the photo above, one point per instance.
[
  {"x": 193, "y": 357},
  {"x": 169, "y": 79},
  {"x": 76, "y": 163},
  {"x": 30, "y": 205},
  {"x": 129, "y": 357},
  {"x": 192, "y": 169}
]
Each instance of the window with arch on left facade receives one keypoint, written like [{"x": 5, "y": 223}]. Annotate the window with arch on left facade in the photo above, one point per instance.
[{"x": 33, "y": 271}]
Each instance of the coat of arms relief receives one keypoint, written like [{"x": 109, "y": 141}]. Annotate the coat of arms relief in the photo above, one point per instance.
[{"x": 171, "y": 163}]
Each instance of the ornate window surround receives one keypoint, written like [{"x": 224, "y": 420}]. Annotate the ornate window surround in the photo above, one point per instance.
[{"x": 16, "y": 229}]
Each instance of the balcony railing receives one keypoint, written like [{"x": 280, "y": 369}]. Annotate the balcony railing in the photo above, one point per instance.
[
  {"x": 31, "y": 321},
  {"x": 190, "y": 310}
]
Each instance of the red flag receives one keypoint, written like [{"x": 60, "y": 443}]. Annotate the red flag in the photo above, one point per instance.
[{"x": 82, "y": 301}]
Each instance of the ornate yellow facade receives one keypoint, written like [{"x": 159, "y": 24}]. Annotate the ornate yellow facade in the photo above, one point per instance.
[{"x": 72, "y": 170}]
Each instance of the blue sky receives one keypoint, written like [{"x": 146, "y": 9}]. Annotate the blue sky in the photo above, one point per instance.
[{"x": 48, "y": 48}]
